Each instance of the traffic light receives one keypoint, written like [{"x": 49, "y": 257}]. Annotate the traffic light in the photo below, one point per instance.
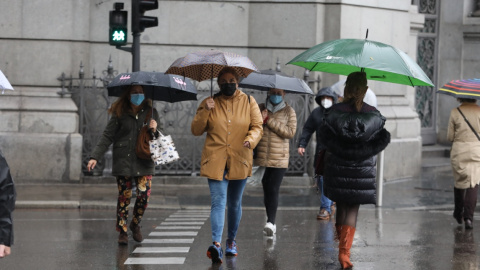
[
  {"x": 118, "y": 25},
  {"x": 140, "y": 22}
]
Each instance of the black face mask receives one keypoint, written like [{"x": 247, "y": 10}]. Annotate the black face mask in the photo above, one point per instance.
[{"x": 228, "y": 89}]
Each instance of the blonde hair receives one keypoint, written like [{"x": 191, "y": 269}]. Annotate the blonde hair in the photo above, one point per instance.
[{"x": 355, "y": 89}]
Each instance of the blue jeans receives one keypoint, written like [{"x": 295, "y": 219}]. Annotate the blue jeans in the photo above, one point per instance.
[
  {"x": 222, "y": 193},
  {"x": 325, "y": 203}
]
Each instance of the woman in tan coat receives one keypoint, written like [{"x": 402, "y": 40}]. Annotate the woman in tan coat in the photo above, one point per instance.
[
  {"x": 233, "y": 123},
  {"x": 279, "y": 126},
  {"x": 465, "y": 158}
]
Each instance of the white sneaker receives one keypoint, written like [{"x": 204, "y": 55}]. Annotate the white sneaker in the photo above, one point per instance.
[{"x": 270, "y": 229}]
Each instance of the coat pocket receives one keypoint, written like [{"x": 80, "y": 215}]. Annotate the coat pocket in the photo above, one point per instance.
[
  {"x": 240, "y": 168},
  {"x": 212, "y": 167}
]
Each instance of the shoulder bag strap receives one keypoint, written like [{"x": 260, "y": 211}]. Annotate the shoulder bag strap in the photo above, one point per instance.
[{"x": 468, "y": 123}]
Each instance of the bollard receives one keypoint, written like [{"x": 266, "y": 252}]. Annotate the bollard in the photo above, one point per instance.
[{"x": 380, "y": 163}]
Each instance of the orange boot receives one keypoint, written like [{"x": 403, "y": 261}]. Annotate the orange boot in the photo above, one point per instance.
[{"x": 344, "y": 245}]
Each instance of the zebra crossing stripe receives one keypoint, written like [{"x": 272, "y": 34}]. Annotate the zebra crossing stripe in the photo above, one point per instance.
[
  {"x": 193, "y": 211},
  {"x": 173, "y": 233},
  {"x": 168, "y": 241},
  {"x": 161, "y": 250},
  {"x": 182, "y": 223},
  {"x": 185, "y": 219},
  {"x": 189, "y": 216},
  {"x": 160, "y": 260},
  {"x": 178, "y": 228},
  {"x": 180, "y": 220}
]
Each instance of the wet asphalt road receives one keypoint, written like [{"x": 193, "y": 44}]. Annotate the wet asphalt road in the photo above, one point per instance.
[
  {"x": 70, "y": 226},
  {"x": 385, "y": 239}
]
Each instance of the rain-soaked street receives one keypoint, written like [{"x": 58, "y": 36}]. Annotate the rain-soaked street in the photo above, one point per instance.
[{"x": 413, "y": 230}]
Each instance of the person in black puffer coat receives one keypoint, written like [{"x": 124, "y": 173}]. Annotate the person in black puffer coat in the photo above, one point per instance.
[
  {"x": 353, "y": 134},
  {"x": 7, "y": 205}
]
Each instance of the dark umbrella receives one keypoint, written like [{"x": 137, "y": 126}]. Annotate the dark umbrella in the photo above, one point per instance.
[
  {"x": 204, "y": 65},
  {"x": 267, "y": 79},
  {"x": 469, "y": 88},
  {"x": 156, "y": 85}
]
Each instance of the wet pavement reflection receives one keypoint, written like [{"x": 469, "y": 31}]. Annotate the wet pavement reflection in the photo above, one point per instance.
[
  {"x": 414, "y": 229},
  {"x": 385, "y": 239}
]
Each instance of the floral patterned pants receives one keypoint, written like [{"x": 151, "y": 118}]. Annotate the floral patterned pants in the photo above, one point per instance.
[{"x": 124, "y": 183}]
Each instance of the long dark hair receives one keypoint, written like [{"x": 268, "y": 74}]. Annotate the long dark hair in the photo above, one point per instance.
[
  {"x": 122, "y": 104},
  {"x": 467, "y": 100},
  {"x": 355, "y": 89}
]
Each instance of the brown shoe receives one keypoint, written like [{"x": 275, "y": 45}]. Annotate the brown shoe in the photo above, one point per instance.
[
  {"x": 323, "y": 215},
  {"x": 123, "y": 238},
  {"x": 136, "y": 233}
]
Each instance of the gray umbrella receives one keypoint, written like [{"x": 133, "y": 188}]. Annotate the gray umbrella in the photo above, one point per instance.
[
  {"x": 267, "y": 79},
  {"x": 156, "y": 85}
]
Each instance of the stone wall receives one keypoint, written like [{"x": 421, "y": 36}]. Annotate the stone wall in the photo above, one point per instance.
[
  {"x": 458, "y": 56},
  {"x": 36, "y": 47},
  {"x": 39, "y": 135}
]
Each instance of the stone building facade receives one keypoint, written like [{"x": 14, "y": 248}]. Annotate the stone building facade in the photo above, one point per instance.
[{"x": 40, "y": 39}]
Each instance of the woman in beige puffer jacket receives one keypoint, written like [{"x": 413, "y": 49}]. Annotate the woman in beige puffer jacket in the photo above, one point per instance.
[{"x": 272, "y": 152}]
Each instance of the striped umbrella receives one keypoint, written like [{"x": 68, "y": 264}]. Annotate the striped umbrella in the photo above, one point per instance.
[{"x": 469, "y": 88}]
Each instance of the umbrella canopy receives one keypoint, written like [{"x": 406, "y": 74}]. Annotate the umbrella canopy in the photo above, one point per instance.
[
  {"x": 156, "y": 85},
  {"x": 469, "y": 88},
  {"x": 4, "y": 83},
  {"x": 204, "y": 65},
  {"x": 381, "y": 62},
  {"x": 267, "y": 79}
]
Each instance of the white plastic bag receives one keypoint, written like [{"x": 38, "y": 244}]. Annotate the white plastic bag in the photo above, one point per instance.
[{"x": 163, "y": 150}]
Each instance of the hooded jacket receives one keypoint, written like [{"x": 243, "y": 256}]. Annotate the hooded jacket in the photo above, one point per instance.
[
  {"x": 352, "y": 140},
  {"x": 7, "y": 203},
  {"x": 233, "y": 121},
  {"x": 273, "y": 149},
  {"x": 122, "y": 132},
  {"x": 315, "y": 120}
]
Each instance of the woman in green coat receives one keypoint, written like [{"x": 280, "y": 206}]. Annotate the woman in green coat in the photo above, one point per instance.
[{"x": 129, "y": 113}]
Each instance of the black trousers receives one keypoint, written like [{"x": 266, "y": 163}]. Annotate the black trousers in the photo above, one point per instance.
[
  {"x": 271, "y": 181},
  {"x": 465, "y": 201}
]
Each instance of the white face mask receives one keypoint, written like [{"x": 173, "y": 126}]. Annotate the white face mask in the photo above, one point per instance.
[{"x": 326, "y": 103}]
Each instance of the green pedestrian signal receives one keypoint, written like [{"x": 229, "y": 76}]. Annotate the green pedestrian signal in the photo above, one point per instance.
[
  {"x": 118, "y": 36},
  {"x": 118, "y": 25}
]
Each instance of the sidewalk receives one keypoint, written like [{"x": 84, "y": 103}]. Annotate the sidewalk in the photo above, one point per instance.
[{"x": 433, "y": 190}]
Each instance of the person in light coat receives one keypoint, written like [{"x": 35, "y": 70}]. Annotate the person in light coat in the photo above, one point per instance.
[
  {"x": 279, "y": 126},
  {"x": 465, "y": 159},
  {"x": 233, "y": 123}
]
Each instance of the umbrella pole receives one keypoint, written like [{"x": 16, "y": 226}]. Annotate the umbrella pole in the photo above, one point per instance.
[{"x": 211, "y": 84}]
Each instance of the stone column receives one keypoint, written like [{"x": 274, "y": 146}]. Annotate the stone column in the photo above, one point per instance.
[{"x": 39, "y": 135}]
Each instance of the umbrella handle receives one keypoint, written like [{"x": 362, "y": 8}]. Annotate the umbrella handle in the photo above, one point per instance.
[{"x": 211, "y": 84}]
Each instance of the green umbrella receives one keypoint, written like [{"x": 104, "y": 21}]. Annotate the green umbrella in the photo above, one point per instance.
[{"x": 381, "y": 62}]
